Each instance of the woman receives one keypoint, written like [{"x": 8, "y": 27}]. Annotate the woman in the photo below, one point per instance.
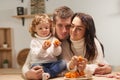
[{"x": 83, "y": 41}]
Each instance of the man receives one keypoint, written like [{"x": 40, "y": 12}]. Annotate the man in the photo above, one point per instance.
[{"x": 62, "y": 21}]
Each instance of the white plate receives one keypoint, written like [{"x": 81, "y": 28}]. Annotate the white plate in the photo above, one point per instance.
[{"x": 82, "y": 78}]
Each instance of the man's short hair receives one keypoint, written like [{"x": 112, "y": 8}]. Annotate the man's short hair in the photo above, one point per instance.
[{"x": 62, "y": 12}]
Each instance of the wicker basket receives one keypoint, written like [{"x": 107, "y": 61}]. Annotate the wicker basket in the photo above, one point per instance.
[{"x": 22, "y": 55}]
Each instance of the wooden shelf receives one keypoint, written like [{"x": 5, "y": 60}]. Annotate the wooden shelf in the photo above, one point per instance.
[
  {"x": 26, "y": 16},
  {"x": 4, "y": 49},
  {"x": 5, "y": 52},
  {"x": 22, "y": 17}
]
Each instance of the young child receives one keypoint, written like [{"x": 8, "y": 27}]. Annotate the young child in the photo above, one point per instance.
[{"x": 44, "y": 47}]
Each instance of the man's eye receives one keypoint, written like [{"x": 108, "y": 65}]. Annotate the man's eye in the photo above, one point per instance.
[
  {"x": 59, "y": 25},
  {"x": 72, "y": 26},
  {"x": 68, "y": 26},
  {"x": 78, "y": 28}
]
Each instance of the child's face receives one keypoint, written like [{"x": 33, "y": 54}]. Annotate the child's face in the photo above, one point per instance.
[{"x": 42, "y": 30}]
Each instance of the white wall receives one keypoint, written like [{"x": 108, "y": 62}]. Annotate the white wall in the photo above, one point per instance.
[
  {"x": 20, "y": 34},
  {"x": 106, "y": 14}
]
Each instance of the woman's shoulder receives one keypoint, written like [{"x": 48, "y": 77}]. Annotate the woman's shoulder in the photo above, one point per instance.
[{"x": 96, "y": 41}]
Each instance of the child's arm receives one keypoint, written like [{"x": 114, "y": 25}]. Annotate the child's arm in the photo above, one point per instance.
[
  {"x": 55, "y": 48},
  {"x": 37, "y": 48}
]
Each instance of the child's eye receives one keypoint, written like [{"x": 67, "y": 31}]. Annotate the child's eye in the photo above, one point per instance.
[
  {"x": 46, "y": 28},
  {"x": 40, "y": 28}
]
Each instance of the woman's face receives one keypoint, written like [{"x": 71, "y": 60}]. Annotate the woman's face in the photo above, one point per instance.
[{"x": 77, "y": 30}]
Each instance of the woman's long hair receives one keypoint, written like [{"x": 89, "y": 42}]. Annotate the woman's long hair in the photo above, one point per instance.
[{"x": 89, "y": 36}]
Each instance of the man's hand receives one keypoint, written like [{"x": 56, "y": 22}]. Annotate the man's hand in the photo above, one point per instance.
[
  {"x": 34, "y": 73},
  {"x": 103, "y": 69}
]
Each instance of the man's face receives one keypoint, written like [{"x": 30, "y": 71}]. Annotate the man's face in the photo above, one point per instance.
[{"x": 62, "y": 28}]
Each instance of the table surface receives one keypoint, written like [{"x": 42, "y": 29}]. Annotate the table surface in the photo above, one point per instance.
[
  {"x": 15, "y": 74},
  {"x": 19, "y": 77},
  {"x": 94, "y": 78}
]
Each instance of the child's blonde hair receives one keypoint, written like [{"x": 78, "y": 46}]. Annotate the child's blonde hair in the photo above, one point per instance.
[{"x": 39, "y": 19}]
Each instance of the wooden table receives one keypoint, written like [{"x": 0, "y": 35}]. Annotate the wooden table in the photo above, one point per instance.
[
  {"x": 10, "y": 74},
  {"x": 16, "y": 74},
  {"x": 19, "y": 77},
  {"x": 93, "y": 78},
  {"x": 5, "y": 71}
]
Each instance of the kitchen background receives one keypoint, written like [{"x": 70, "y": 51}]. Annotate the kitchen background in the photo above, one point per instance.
[{"x": 106, "y": 14}]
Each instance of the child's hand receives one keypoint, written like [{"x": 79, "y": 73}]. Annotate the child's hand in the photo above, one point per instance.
[
  {"x": 46, "y": 44},
  {"x": 57, "y": 43}
]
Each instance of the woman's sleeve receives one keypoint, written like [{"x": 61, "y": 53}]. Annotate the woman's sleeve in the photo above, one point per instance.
[
  {"x": 99, "y": 58},
  {"x": 91, "y": 68}
]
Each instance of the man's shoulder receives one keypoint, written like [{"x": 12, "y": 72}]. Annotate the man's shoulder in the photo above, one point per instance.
[{"x": 65, "y": 42}]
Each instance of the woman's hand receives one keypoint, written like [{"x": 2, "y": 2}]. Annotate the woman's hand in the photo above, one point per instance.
[
  {"x": 81, "y": 65},
  {"x": 35, "y": 73},
  {"x": 73, "y": 62},
  {"x": 103, "y": 69},
  {"x": 79, "y": 62}
]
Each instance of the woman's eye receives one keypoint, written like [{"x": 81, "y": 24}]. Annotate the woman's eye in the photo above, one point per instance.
[{"x": 79, "y": 28}]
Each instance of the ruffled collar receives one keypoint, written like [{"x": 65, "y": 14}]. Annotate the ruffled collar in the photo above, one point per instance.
[{"x": 43, "y": 38}]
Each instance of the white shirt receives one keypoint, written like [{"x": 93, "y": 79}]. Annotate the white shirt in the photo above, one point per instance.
[
  {"x": 78, "y": 48},
  {"x": 38, "y": 55}
]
